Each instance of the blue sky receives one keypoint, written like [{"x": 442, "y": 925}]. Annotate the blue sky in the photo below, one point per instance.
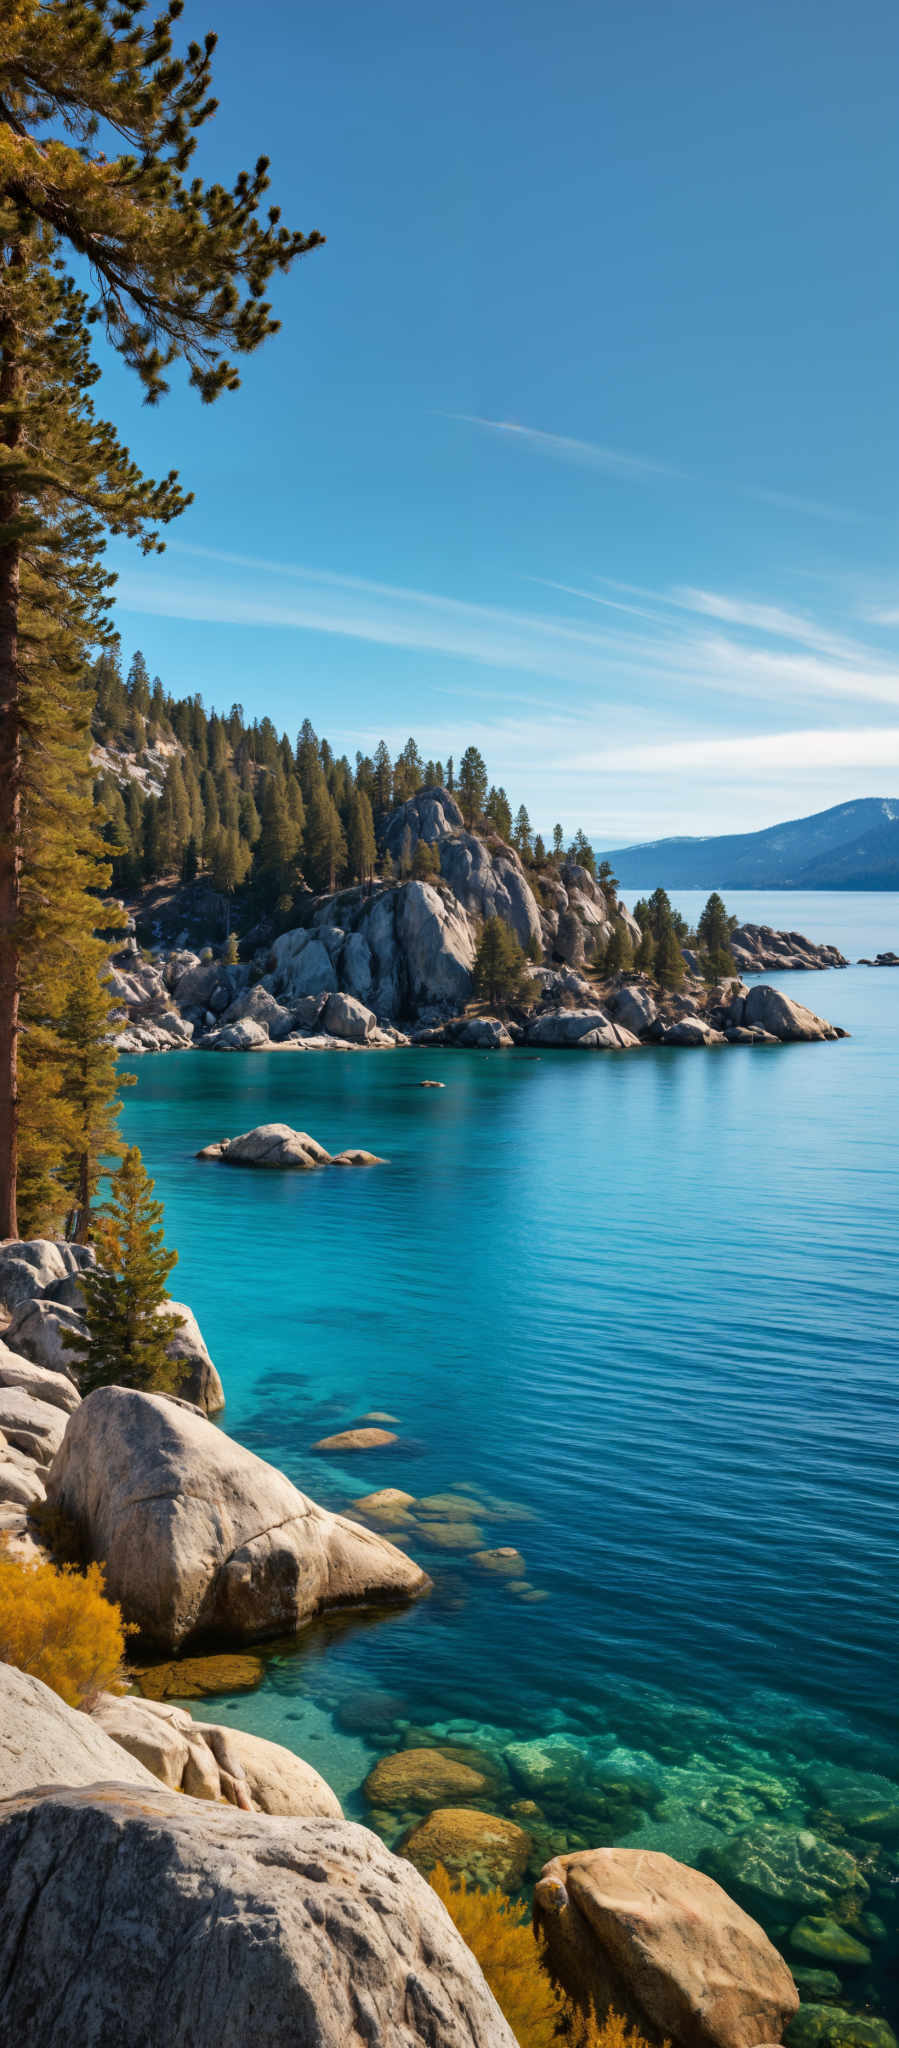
[{"x": 580, "y": 437}]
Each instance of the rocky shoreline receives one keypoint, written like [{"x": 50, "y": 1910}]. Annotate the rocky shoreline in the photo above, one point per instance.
[
  {"x": 204, "y": 1544},
  {"x": 393, "y": 965}
]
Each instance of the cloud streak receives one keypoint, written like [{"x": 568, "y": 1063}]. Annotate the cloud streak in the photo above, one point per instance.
[{"x": 621, "y": 463}]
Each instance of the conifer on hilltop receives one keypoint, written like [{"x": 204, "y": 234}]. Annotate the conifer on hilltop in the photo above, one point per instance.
[
  {"x": 179, "y": 271},
  {"x": 129, "y": 1327},
  {"x": 713, "y": 932}
]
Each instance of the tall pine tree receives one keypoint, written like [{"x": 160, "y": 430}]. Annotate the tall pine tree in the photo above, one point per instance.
[{"x": 179, "y": 271}]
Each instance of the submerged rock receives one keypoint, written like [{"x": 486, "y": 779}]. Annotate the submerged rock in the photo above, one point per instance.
[
  {"x": 488, "y": 1849},
  {"x": 787, "y": 1866},
  {"x": 198, "y": 1536},
  {"x": 422, "y": 1778},
  {"x": 136, "y": 1917},
  {"x": 830, "y": 2026},
  {"x": 664, "y": 1945},
  {"x": 199, "y": 1678},
  {"x": 357, "y": 1440},
  {"x": 819, "y": 1935}
]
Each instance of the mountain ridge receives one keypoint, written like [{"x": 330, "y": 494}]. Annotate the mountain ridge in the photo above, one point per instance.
[{"x": 849, "y": 846}]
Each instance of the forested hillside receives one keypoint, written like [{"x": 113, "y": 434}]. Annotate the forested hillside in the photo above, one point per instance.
[{"x": 263, "y": 815}]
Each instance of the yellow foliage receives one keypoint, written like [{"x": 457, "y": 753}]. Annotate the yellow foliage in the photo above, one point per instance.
[
  {"x": 56, "y": 1623},
  {"x": 498, "y": 1931}
]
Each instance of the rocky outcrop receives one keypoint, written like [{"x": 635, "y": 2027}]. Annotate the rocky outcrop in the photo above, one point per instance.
[
  {"x": 633, "y": 1929},
  {"x": 146, "y": 1918},
  {"x": 28, "y": 1267},
  {"x": 41, "y": 1327},
  {"x": 431, "y": 815},
  {"x": 759, "y": 950},
  {"x": 586, "y": 1029},
  {"x": 277, "y": 1145},
  {"x": 44, "y": 1742},
  {"x": 29, "y": 1425},
  {"x": 201, "y": 1538},
  {"x": 771, "y": 1011},
  {"x": 210, "y": 1762}
]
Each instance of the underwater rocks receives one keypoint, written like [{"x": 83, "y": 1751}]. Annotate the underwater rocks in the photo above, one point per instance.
[
  {"x": 199, "y": 1678},
  {"x": 818, "y": 1935},
  {"x": 357, "y": 1440},
  {"x": 829, "y": 2026},
  {"x": 423, "y": 1778},
  {"x": 277, "y": 1145},
  {"x": 487, "y": 1848},
  {"x": 198, "y": 1536},
  {"x": 143, "y": 1917},
  {"x": 783, "y": 1866},
  {"x": 662, "y": 1943}
]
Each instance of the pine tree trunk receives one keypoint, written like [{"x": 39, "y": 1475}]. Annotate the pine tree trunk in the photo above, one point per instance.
[{"x": 10, "y": 798}]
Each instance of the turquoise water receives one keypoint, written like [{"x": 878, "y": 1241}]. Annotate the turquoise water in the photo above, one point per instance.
[{"x": 642, "y": 1309}]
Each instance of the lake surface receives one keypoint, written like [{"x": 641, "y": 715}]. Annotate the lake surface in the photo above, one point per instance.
[{"x": 639, "y": 1311}]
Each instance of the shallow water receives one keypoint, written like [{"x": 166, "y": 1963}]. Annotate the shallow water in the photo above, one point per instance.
[{"x": 642, "y": 1307}]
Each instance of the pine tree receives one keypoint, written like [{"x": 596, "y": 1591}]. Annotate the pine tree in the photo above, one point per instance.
[
  {"x": 360, "y": 837},
  {"x": 608, "y": 883},
  {"x": 425, "y": 862},
  {"x": 522, "y": 837},
  {"x": 645, "y": 953},
  {"x": 472, "y": 785},
  {"x": 324, "y": 846},
  {"x": 619, "y": 953},
  {"x": 89, "y": 1090},
  {"x": 125, "y": 1294},
  {"x": 539, "y": 852},
  {"x": 499, "y": 812},
  {"x": 713, "y": 932},
  {"x": 499, "y": 968},
  {"x": 178, "y": 271},
  {"x": 669, "y": 960},
  {"x": 558, "y": 842},
  {"x": 581, "y": 851}
]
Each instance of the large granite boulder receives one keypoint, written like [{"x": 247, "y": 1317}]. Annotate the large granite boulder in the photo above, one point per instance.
[
  {"x": 634, "y": 1006},
  {"x": 301, "y": 966},
  {"x": 346, "y": 1017},
  {"x": 274, "y": 1145},
  {"x": 134, "y": 1917},
  {"x": 431, "y": 815},
  {"x": 55, "y": 1387},
  {"x": 691, "y": 1030},
  {"x": 44, "y": 1742},
  {"x": 257, "y": 1005},
  {"x": 663, "y": 1944},
  {"x": 212, "y": 1762},
  {"x": 198, "y": 1381},
  {"x": 29, "y": 1265},
  {"x": 33, "y": 1426},
  {"x": 40, "y": 1329},
  {"x": 436, "y": 945},
  {"x": 585, "y": 1029},
  {"x": 201, "y": 1538},
  {"x": 489, "y": 881},
  {"x": 785, "y": 1019}
]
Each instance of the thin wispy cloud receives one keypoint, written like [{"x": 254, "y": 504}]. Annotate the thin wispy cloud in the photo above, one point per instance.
[
  {"x": 565, "y": 448},
  {"x": 656, "y": 661},
  {"x": 622, "y": 463},
  {"x": 860, "y": 747}
]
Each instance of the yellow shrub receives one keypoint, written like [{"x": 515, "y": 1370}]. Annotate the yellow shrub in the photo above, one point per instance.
[
  {"x": 56, "y": 1624},
  {"x": 498, "y": 1931}
]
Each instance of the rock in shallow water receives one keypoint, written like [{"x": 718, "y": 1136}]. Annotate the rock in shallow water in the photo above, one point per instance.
[
  {"x": 789, "y": 1866},
  {"x": 198, "y": 1536},
  {"x": 665, "y": 1945},
  {"x": 135, "y": 1917},
  {"x": 487, "y": 1849}
]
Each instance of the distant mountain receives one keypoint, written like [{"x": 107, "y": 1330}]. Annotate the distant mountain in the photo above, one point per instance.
[{"x": 852, "y": 846}]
